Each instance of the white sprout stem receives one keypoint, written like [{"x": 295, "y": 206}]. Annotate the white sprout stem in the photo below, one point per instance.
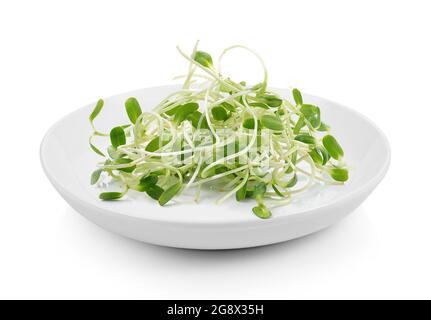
[
  {"x": 265, "y": 71},
  {"x": 233, "y": 182},
  {"x": 210, "y": 126},
  {"x": 207, "y": 70},
  {"x": 195, "y": 174},
  {"x": 192, "y": 69}
]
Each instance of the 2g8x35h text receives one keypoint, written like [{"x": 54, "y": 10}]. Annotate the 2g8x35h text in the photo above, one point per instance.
[{"x": 222, "y": 309}]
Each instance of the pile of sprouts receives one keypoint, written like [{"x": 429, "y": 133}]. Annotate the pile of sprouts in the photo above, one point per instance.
[{"x": 242, "y": 140}]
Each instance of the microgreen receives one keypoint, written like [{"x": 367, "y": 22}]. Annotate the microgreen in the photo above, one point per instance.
[
  {"x": 241, "y": 193},
  {"x": 111, "y": 195},
  {"x": 249, "y": 123},
  {"x": 319, "y": 155},
  {"x": 272, "y": 122},
  {"x": 305, "y": 138},
  {"x": 262, "y": 212},
  {"x": 118, "y": 137},
  {"x": 96, "y": 110},
  {"x": 133, "y": 109},
  {"x": 339, "y": 174},
  {"x": 169, "y": 193},
  {"x": 125, "y": 161},
  {"x": 155, "y": 144},
  {"x": 169, "y": 149},
  {"x": 203, "y": 58},
  {"x": 259, "y": 190},
  {"x": 228, "y": 107},
  {"x": 259, "y": 105},
  {"x": 95, "y": 176},
  {"x": 148, "y": 181},
  {"x": 219, "y": 113},
  {"x": 297, "y": 96},
  {"x": 312, "y": 114},
  {"x": 195, "y": 117},
  {"x": 183, "y": 111},
  {"x": 333, "y": 147},
  {"x": 272, "y": 101},
  {"x": 155, "y": 192}
]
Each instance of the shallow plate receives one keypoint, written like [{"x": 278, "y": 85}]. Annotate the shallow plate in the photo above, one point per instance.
[{"x": 68, "y": 163}]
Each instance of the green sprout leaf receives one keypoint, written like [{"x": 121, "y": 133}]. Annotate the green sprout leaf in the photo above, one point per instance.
[
  {"x": 241, "y": 193},
  {"x": 169, "y": 193},
  {"x": 146, "y": 183},
  {"x": 272, "y": 101},
  {"x": 139, "y": 188},
  {"x": 249, "y": 194},
  {"x": 97, "y": 109},
  {"x": 319, "y": 155},
  {"x": 228, "y": 107},
  {"x": 249, "y": 123},
  {"x": 262, "y": 212},
  {"x": 118, "y": 137},
  {"x": 220, "y": 169},
  {"x": 219, "y": 113},
  {"x": 95, "y": 176},
  {"x": 305, "y": 138},
  {"x": 155, "y": 144},
  {"x": 259, "y": 190},
  {"x": 181, "y": 112},
  {"x": 173, "y": 110},
  {"x": 312, "y": 114},
  {"x": 339, "y": 174},
  {"x": 149, "y": 181},
  {"x": 297, "y": 96},
  {"x": 191, "y": 105},
  {"x": 125, "y": 161},
  {"x": 203, "y": 59},
  {"x": 259, "y": 105},
  {"x": 333, "y": 147},
  {"x": 111, "y": 195},
  {"x": 155, "y": 192},
  {"x": 194, "y": 119},
  {"x": 272, "y": 122},
  {"x": 133, "y": 109}
]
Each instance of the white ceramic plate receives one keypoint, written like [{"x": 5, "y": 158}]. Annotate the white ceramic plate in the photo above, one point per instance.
[{"x": 68, "y": 163}]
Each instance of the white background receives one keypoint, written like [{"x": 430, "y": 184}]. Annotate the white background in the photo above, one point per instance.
[{"x": 56, "y": 56}]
